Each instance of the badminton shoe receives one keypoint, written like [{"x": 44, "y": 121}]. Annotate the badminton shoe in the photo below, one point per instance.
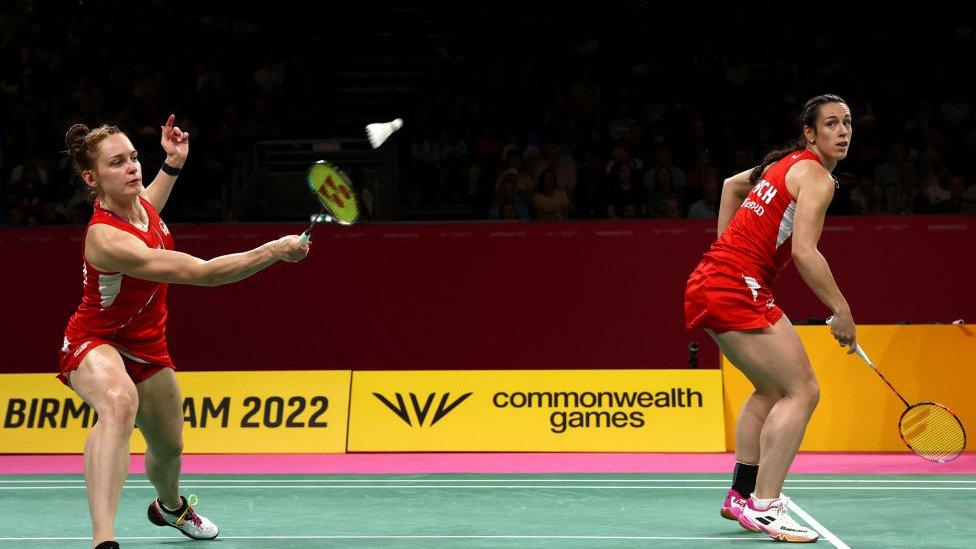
[
  {"x": 776, "y": 521},
  {"x": 732, "y": 508},
  {"x": 184, "y": 519}
]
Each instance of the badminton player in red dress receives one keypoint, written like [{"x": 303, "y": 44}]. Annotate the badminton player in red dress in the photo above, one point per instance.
[
  {"x": 767, "y": 216},
  {"x": 114, "y": 353}
]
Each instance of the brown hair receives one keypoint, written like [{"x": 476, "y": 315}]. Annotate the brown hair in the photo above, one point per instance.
[
  {"x": 811, "y": 110},
  {"x": 83, "y": 143}
]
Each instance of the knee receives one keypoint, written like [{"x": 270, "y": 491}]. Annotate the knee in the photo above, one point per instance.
[
  {"x": 167, "y": 449},
  {"x": 809, "y": 393},
  {"x": 118, "y": 407},
  {"x": 164, "y": 441}
]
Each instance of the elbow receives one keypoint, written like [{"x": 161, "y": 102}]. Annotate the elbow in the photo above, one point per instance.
[
  {"x": 803, "y": 254},
  {"x": 736, "y": 189},
  {"x": 209, "y": 281},
  {"x": 728, "y": 185}
]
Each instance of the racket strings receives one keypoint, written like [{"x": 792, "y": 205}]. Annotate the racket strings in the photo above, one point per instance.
[
  {"x": 333, "y": 189},
  {"x": 933, "y": 432}
]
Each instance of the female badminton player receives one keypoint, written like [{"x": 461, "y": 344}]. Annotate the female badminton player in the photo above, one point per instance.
[
  {"x": 767, "y": 216},
  {"x": 115, "y": 353}
]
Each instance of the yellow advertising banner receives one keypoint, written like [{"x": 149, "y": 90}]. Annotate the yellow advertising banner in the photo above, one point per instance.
[
  {"x": 224, "y": 412},
  {"x": 537, "y": 410},
  {"x": 857, "y": 411}
]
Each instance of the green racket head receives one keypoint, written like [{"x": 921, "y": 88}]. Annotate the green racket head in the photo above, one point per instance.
[{"x": 333, "y": 189}]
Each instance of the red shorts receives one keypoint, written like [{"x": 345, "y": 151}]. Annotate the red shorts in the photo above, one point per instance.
[
  {"x": 721, "y": 301},
  {"x": 141, "y": 361}
]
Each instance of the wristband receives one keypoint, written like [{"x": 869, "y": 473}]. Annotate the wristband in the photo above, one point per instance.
[{"x": 170, "y": 170}]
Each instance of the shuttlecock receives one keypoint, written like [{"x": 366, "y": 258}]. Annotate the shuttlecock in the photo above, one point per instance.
[{"x": 379, "y": 132}]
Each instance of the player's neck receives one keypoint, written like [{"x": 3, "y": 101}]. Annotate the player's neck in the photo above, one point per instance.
[
  {"x": 829, "y": 164},
  {"x": 126, "y": 208}
]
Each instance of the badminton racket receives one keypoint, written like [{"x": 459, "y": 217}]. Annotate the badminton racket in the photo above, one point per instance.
[
  {"x": 929, "y": 429},
  {"x": 333, "y": 189}
]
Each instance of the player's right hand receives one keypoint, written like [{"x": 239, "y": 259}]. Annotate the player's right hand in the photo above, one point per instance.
[
  {"x": 843, "y": 329},
  {"x": 290, "y": 248}
]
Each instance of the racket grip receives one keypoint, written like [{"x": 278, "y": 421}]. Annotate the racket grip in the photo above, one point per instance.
[
  {"x": 306, "y": 236},
  {"x": 857, "y": 347},
  {"x": 864, "y": 356}
]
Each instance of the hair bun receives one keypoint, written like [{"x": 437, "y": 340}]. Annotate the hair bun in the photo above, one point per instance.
[{"x": 75, "y": 138}]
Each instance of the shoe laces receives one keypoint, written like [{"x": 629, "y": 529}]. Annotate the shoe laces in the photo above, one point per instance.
[
  {"x": 782, "y": 513},
  {"x": 783, "y": 510},
  {"x": 189, "y": 513}
]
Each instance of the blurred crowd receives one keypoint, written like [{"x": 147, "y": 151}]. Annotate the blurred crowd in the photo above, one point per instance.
[{"x": 639, "y": 110}]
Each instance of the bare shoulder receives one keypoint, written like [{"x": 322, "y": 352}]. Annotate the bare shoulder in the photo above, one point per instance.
[
  {"x": 811, "y": 171},
  {"x": 104, "y": 243},
  {"x": 104, "y": 233},
  {"x": 810, "y": 177}
]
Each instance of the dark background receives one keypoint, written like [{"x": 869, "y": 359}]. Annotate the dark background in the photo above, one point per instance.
[{"x": 580, "y": 90}]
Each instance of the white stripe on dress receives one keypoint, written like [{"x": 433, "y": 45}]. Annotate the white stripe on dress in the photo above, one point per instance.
[
  {"x": 109, "y": 286},
  {"x": 753, "y": 285},
  {"x": 786, "y": 225}
]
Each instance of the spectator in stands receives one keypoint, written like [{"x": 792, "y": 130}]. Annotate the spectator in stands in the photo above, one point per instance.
[
  {"x": 656, "y": 202},
  {"x": 620, "y": 154},
  {"x": 890, "y": 172},
  {"x": 550, "y": 202},
  {"x": 623, "y": 191},
  {"x": 969, "y": 200},
  {"x": 860, "y": 196},
  {"x": 677, "y": 178},
  {"x": 671, "y": 208},
  {"x": 525, "y": 185},
  {"x": 957, "y": 189},
  {"x": 879, "y": 200},
  {"x": 707, "y": 207},
  {"x": 507, "y": 205}
]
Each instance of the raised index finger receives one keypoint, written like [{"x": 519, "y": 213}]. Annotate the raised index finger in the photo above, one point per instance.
[{"x": 169, "y": 122}]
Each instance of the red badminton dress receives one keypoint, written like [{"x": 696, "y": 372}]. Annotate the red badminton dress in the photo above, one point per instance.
[
  {"x": 730, "y": 287},
  {"x": 118, "y": 310}
]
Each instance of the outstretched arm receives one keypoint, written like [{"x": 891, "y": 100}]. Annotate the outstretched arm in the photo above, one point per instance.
[
  {"x": 176, "y": 144},
  {"x": 816, "y": 188},
  {"x": 112, "y": 250},
  {"x": 734, "y": 191}
]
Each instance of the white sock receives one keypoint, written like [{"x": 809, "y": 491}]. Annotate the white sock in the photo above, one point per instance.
[
  {"x": 170, "y": 511},
  {"x": 762, "y": 504}
]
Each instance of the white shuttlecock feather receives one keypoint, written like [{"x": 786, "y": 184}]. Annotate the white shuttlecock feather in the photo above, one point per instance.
[{"x": 379, "y": 132}]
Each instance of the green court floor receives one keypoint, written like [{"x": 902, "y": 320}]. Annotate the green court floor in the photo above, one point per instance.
[{"x": 496, "y": 511}]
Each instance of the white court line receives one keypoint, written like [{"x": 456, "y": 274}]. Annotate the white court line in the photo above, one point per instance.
[
  {"x": 408, "y": 537},
  {"x": 487, "y": 481},
  {"x": 827, "y": 534},
  {"x": 192, "y": 485}
]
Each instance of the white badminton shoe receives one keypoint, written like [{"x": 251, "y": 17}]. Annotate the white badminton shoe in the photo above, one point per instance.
[
  {"x": 184, "y": 519},
  {"x": 776, "y": 521}
]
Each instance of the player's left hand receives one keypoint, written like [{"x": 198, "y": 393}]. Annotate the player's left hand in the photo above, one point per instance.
[{"x": 175, "y": 142}]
